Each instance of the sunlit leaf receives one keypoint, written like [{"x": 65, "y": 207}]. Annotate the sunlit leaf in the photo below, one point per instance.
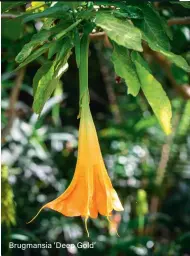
[
  {"x": 122, "y": 32},
  {"x": 154, "y": 93},
  {"x": 57, "y": 11}
]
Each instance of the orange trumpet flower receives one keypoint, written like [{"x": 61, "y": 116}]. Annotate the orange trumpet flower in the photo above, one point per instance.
[{"x": 91, "y": 191}]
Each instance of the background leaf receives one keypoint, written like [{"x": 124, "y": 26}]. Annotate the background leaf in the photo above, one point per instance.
[
  {"x": 153, "y": 31},
  {"x": 6, "y": 6},
  {"x": 12, "y": 29}
]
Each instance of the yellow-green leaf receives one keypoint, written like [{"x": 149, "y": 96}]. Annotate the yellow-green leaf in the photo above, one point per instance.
[{"x": 154, "y": 93}]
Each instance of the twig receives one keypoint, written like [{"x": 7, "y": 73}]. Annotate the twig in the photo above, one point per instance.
[
  {"x": 8, "y": 16},
  {"x": 163, "y": 164},
  {"x": 12, "y": 102},
  {"x": 179, "y": 21},
  {"x": 109, "y": 86}
]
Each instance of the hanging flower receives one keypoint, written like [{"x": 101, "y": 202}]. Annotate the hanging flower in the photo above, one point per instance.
[{"x": 91, "y": 191}]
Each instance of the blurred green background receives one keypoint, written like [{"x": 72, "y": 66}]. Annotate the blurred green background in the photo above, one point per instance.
[{"x": 150, "y": 172}]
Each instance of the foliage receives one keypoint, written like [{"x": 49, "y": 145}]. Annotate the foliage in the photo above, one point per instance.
[
  {"x": 39, "y": 152},
  {"x": 7, "y": 204}
]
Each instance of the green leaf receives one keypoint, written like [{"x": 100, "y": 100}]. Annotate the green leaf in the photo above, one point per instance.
[
  {"x": 174, "y": 58},
  {"x": 46, "y": 85},
  {"x": 54, "y": 48},
  {"x": 152, "y": 28},
  {"x": 184, "y": 124},
  {"x": 125, "y": 68},
  {"x": 41, "y": 71},
  {"x": 47, "y": 78},
  {"x": 185, "y": 5},
  {"x": 37, "y": 39},
  {"x": 180, "y": 75},
  {"x": 57, "y": 11},
  {"x": 66, "y": 46},
  {"x": 154, "y": 93},
  {"x": 153, "y": 33},
  {"x": 129, "y": 12},
  {"x": 34, "y": 56},
  {"x": 166, "y": 28},
  {"x": 73, "y": 4},
  {"x": 122, "y": 32}
]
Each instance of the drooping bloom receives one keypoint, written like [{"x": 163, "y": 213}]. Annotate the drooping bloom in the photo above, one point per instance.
[{"x": 91, "y": 191}]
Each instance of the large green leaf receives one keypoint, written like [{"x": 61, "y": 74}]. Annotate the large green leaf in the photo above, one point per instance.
[
  {"x": 125, "y": 68},
  {"x": 152, "y": 28},
  {"x": 122, "y": 32},
  {"x": 154, "y": 93}
]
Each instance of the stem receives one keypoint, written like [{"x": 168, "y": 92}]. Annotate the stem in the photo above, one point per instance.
[{"x": 83, "y": 70}]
